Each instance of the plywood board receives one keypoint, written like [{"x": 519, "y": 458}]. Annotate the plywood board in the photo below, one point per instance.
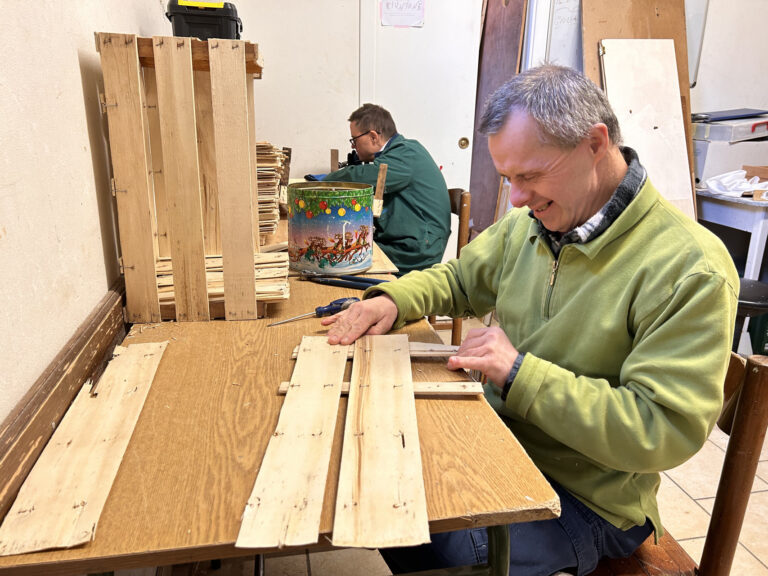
[
  {"x": 60, "y": 502},
  {"x": 640, "y": 19},
  {"x": 229, "y": 100},
  {"x": 175, "y": 92},
  {"x": 286, "y": 503},
  {"x": 640, "y": 79},
  {"x": 124, "y": 103},
  {"x": 380, "y": 501}
]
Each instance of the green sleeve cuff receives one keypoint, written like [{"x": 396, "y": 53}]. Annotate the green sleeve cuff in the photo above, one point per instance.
[{"x": 528, "y": 382}]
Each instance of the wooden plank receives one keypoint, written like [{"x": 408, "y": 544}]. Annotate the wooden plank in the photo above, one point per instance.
[
  {"x": 640, "y": 82},
  {"x": 175, "y": 92},
  {"x": 641, "y": 19},
  {"x": 200, "y": 56},
  {"x": 160, "y": 209},
  {"x": 255, "y": 186},
  {"x": 233, "y": 173},
  {"x": 416, "y": 350},
  {"x": 26, "y": 430},
  {"x": 499, "y": 55},
  {"x": 380, "y": 499},
  {"x": 378, "y": 196},
  {"x": 124, "y": 102},
  {"x": 61, "y": 500},
  {"x": 461, "y": 388},
  {"x": 206, "y": 150},
  {"x": 285, "y": 505}
]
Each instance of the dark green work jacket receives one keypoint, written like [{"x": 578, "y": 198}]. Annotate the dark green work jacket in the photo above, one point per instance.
[{"x": 415, "y": 223}]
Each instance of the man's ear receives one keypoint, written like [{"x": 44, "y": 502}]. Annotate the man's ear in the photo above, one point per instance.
[
  {"x": 375, "y": 138},
  {"x": 599, "y": 141}
]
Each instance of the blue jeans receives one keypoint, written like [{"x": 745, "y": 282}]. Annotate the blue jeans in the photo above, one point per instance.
[{"x": 574, "y": 542}]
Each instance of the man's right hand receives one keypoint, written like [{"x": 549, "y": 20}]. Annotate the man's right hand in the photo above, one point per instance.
[{"x": 369, "y": 317}]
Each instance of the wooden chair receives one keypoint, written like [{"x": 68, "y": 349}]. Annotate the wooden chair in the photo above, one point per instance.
[
  {"x": 753, "y": 301},
  {"x": 460, "y": 205},
  {"x": 744, "y": 418}
]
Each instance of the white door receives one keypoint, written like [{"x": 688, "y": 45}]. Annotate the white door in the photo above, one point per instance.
[{"x": 426, "y": 77}]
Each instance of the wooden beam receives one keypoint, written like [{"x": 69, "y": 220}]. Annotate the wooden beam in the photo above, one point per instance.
[
  {"x": 287, "y": 500},
  {"x": 416, "y": 349},
  {"x": 124, "y": 103},
  {"x": 200, "y": 56},
  {"x": 26, "y": 430},
  {"x": 175, "y": 95},
  {"x": 468, "y": 388},
  {"x": 61, "y": 500},
  {"x": 229, "y": 99},
  {"x": 380, "y": 499}
]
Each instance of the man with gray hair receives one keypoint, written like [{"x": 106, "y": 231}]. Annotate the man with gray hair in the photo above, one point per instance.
[{"x": 616, "y": 314}]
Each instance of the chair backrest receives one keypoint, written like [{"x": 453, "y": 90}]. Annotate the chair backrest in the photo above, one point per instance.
[
  {"x": 460, "y": 205},
  {"x": 745, "y": 419}
]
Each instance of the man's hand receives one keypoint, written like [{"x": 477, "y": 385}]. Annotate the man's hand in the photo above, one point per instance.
[
  {"x": 373, "y": 316},
  {"x": 488, "y": 350}
]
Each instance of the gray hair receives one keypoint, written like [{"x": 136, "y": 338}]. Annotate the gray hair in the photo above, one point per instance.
[{"x": 564, "y": 103}]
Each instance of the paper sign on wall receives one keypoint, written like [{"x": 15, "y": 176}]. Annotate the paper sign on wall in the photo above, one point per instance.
[{"x": 402, "y": 13}]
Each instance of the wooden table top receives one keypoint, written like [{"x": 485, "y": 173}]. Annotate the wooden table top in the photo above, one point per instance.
[{"x": 198, "y": 444}]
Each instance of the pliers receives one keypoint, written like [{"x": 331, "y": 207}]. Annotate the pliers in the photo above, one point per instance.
[{"x": 348, "y": 281}]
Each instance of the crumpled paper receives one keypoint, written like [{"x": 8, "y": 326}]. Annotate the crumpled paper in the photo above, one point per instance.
[{"x": 735, "y": 184}]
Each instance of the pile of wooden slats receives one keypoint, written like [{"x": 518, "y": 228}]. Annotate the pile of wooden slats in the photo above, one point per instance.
[
  {"x": 270, "y": 162},
  {"x": 187, "y": 177}
]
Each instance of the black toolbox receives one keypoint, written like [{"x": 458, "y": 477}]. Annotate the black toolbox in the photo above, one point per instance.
[{"x": 204, "y": 20}]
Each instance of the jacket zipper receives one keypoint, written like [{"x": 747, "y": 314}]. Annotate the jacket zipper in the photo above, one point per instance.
[{"x": 552, "y": 277}]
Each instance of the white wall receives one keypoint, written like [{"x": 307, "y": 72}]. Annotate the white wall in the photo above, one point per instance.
[
  {"x": 734, "y": 59},
  {"x": 57, "y": 256},
  {"x": 310, "y": 52}
]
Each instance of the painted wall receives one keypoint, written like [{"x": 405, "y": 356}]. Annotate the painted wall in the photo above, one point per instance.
[
  {"x": 57, "y": 253},
  {"x": 733, "y": 57}
]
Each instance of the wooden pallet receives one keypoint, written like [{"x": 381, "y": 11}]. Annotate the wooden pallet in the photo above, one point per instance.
[
  {"x": 380, "y": 499},
  {"x": 180, "y": 195}
]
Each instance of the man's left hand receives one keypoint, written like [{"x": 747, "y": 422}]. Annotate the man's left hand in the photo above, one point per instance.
[{"x": 488, "y": 350}]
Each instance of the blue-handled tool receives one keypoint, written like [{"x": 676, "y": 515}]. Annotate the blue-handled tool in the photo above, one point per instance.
[
  {"x": 333, "y": 308},
  {"x": 343, "y": 281}
]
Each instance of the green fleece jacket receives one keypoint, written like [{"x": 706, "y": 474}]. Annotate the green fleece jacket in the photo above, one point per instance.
[
  {"x": 627, "y": 339},
  {"x": 415, "y": 222}
]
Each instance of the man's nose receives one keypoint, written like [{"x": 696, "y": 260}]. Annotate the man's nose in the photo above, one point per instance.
[{"x": 519, "y": 196}]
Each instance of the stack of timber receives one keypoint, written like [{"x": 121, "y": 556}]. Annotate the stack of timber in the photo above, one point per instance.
[
  {"x": 270, "y": 163},
  {"x": 186, "y": 178}
]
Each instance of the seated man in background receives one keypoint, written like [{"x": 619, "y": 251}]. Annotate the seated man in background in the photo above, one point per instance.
[
  {"x": 616, "y": 316},
  {"x": 415, "y": 223}
]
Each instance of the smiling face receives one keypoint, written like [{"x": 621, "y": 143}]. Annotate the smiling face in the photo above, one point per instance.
[{"x": 560, "y": 185}]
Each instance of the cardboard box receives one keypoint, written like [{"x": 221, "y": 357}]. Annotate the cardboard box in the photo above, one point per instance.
[
  {"x": 711, "y": 158},
  {"x": 731, "y": 130}
]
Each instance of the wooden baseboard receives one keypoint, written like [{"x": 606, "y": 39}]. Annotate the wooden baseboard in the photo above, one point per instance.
[{"x": 27, "y": 429}]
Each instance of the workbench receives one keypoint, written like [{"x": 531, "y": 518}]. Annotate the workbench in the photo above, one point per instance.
[
  {"x": 214, "y": 403},
  {"x": 741, "y": 213}
]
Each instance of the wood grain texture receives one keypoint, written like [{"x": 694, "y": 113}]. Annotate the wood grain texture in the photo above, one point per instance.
[
  {"x": 421, "y": 388},
  {"x": 61, "y": 500},
  {"x": 380, "y": 499},
  {"x": 175, "y": 94},
  {"x": 196, "y": 450},
  {"x": 124, "y": 101},
  {"x": 287, "y": 500},
  {"x": 159, "y": 206},
  {"x": 200, "y": 55},
  {"x": 229, "y": 100},
  {"x": 26, "y": 430},
  {"x": 416, "y": 350},
  {"x": 499, "y": 57},
  {"x": 254, "y": 162},
  {"x": 206, "y": 151},
  {"x": 640, "y": 19}
]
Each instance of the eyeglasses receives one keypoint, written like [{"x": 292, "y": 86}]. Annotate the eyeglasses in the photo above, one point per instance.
[{"x": 352, "y": 140}]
